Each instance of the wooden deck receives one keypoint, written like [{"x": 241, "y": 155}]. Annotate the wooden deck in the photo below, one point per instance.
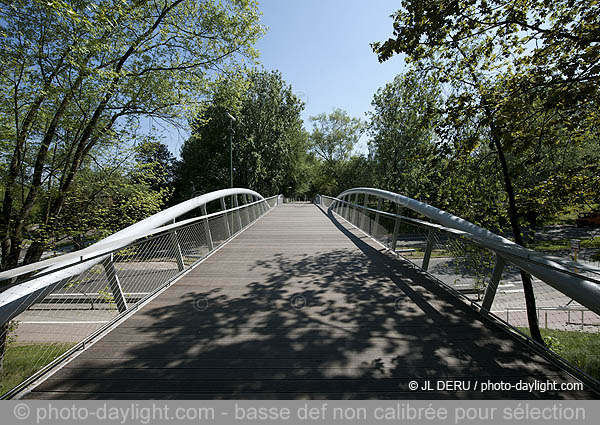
[{"x": 301, "y": 306}]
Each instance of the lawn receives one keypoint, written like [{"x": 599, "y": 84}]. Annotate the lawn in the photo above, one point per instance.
[
  {"x": 22, "y": 361},
  {"x": 581, "y": 349},
  {"x": 560, "y": 244}
]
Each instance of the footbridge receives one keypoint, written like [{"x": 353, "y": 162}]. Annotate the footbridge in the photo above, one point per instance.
[{"x": 231, "y": 295}]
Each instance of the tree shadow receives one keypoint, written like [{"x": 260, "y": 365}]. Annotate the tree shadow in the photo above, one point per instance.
[{"x": 306, "y": 321}]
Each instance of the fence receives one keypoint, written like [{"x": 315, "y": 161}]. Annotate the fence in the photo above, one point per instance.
[
  {"x": 480, "y": 267},
  {"x": 58, "y": 305}
]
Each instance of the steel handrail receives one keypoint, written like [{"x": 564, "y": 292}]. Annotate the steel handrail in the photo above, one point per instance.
[
  {"x": 582, "y": 289},
  {"x": 82, "y": 255},
  {"x": 435, "y": 226},
  {"x": 19, "y": 297}
]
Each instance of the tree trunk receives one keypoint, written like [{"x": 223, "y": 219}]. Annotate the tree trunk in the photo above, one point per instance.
[
  {"x": 534, "y": 328},
  {"x": 531, "y": 217}
]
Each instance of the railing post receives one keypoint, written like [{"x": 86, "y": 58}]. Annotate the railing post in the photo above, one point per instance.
[
  {"x": 377, "y": 218},
  {"x": 428, "y": 249},
  {"x": 114, "y": 283},
  {"x": 207, "y": 228},
  {"x": 253, "y": 208},
  {"x": 238, "y": 211},
  {"x": 396, "y": 229},
  {"x": 264, "y": 205},
  {"x": 248, "y": 200},
  {"x": 176, "y": 248},
  {"x": 259, "y": 208},
  {"x": 251, "y": 215},
  {"x": 246, "y": 209},
  {"x": 224, "y": 208},
  {"x": 490, "y": 291},
  {"x": 365, "y": 218},
  {"x": 355, "y": 211}
]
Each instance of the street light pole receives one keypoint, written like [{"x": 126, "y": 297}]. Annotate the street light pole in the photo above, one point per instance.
[{"x": 231, "y": 120}]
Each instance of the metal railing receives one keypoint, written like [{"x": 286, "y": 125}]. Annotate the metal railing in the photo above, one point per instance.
[
  {"x": 480, "y": 267},
  {"x": 470, "y": 259},
  {"x": 52, "y": 308}
]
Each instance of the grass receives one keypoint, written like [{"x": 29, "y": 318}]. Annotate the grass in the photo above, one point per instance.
[
  {"x": 570, "y": 215},
  {"x": 581, "y": 349},
  {"x": 420, "y": 252},
  {"x": 561, "y": 244},
  {"x": 23, "y": 360},
  {"x": 567, "y": 217}
]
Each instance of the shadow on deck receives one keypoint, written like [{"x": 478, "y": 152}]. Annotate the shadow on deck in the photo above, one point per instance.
[{"x": 302, "y": 306}]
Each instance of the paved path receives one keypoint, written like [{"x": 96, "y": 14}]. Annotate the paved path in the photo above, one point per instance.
[{"x": 300, "y": 306}]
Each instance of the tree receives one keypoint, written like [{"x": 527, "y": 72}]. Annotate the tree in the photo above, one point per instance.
[
  {"x": 62, "y": 99},
  {"x": 497, "y": 56},
  {"x": 113, "y": 190},
  {"x": 155, "y": 165},
  {"x": 268, "y": 141},
  {"x": 332, "y": 140},
  {"x": 335, "y": 135},
  {"x": 403, "y": 138}
]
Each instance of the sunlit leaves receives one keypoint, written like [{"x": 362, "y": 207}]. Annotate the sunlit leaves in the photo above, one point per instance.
[
  {"x": 76, "y": 76},
  {"x": 268, "y": 139}
]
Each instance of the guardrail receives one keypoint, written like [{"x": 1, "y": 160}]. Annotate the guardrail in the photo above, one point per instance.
[
  {"x": 51, "y": 309},
  {"x": 462, "y": 254},
  {"x": 469, "y": 260}
]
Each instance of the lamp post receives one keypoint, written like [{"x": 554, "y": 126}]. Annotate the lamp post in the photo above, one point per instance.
[{"x": 231, "y": 120}]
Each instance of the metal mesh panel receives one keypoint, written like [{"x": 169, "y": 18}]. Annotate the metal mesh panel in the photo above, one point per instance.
[
  {"x": 76, "y": 307},
  {"x": 468, "y": 268}
]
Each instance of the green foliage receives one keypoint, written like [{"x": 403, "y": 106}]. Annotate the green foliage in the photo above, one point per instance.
[
  {"x": 11, "y": 331},
  {"x": 475, "y": 262},
  {"x": 520, "y": 82},
  {"x": 331, "y": 144},
  {"x": 109, "y": 194},
  {"x": 64, "y": 100},
  {"x": 578, "y": 348},
  {"x": 335, "y": 135},
  {"x": 155, "y": 165},
  {"x": 106, "y": 295},
  {"x": 403, "y": 140},
  {"x": 269, "y": 143}
]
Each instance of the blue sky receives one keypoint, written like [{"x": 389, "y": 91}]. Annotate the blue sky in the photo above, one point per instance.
[{"x": 321, "y": 48}]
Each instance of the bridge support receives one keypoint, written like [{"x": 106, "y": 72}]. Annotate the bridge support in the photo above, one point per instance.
[
  {"x": 114, "y": 283},
  {"x": 490, "y": 291},
  {"x": 248, "y": 212},
  {"x": 246, "y": 209},
  {"x": 428, "y": 249},
  {"x": 348, "y": 200},
  {"x": 249, "y": 209},
  {"x": 209, "y": 240},
  {"x": 346, "y": 207}
]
